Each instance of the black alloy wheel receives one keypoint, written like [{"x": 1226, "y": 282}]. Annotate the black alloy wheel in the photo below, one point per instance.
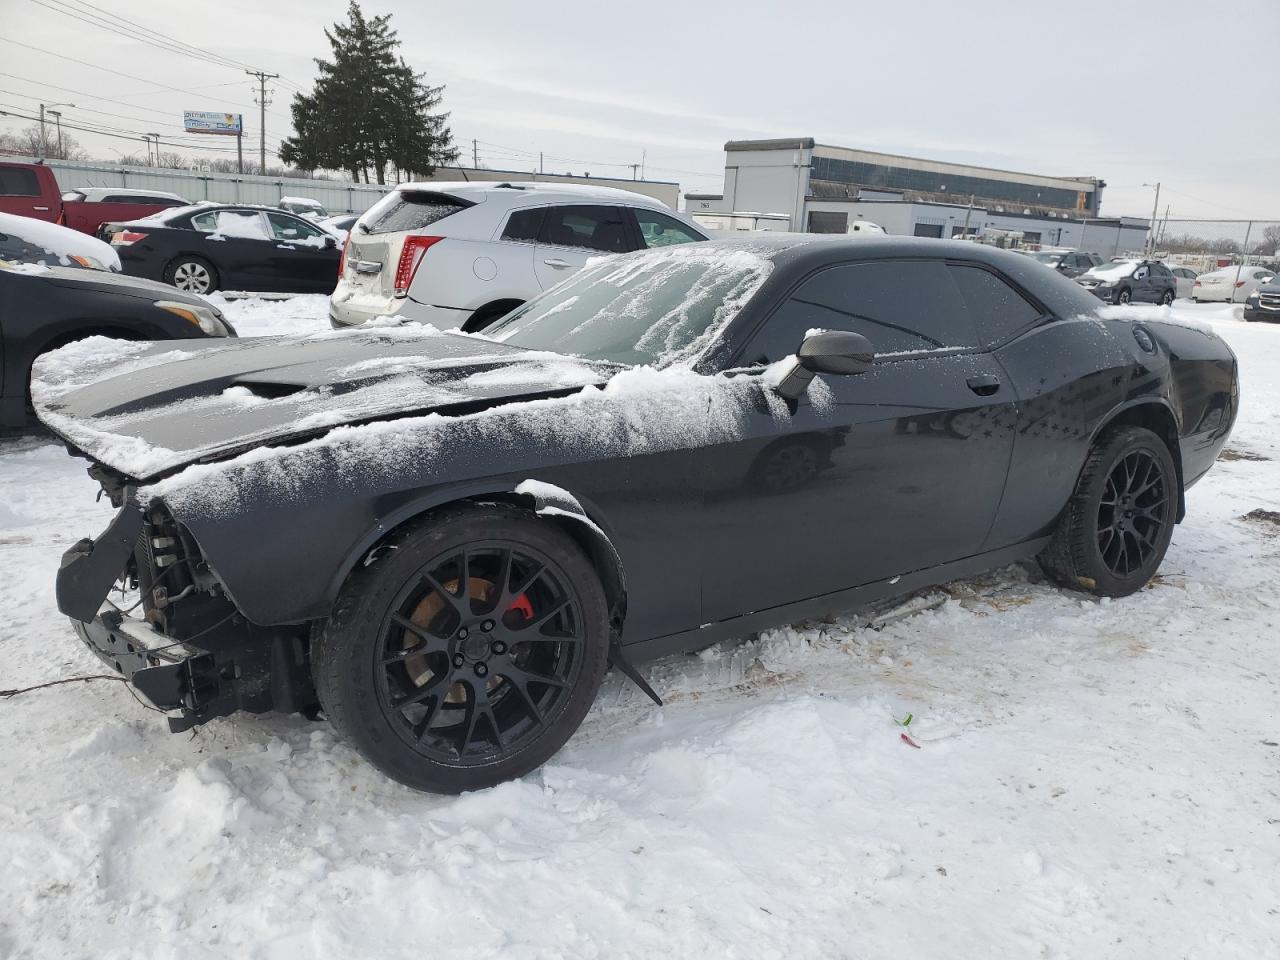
[
  {"x": 1116, "y": 528},
  {"x": 1166, "y": 298},
  {"x": 1123, "y": 295},
  {"x": 468, "y": 652},
  {"x": 1132, "y": 512}
]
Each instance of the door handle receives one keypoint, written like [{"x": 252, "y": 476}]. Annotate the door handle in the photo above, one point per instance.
[
  {"x": 557, "y": 263},
  {"x": 284, "y": 246},
  {"x": 984, "y": 385}
]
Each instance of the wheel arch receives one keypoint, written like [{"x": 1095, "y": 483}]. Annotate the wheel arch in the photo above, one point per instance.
[
  {"x": 1157, "y": 416},
  {"x": 582, "y": 524},
  {"x": 489, "y": 312}
]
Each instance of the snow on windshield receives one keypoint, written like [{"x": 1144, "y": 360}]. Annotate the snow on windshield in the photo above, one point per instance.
[
  {"x": 60, "y": 243},
  {"x": 659, "y": 307},
  {"x": 1113, "y": 271}
]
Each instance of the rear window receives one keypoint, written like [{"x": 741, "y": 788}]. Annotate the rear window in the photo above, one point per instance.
[
  {"x": 410, "y": 210},
  {"x": 18, "y": 182}
]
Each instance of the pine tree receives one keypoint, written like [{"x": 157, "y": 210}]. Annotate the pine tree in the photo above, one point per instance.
[{"x": 368, "y": 109}]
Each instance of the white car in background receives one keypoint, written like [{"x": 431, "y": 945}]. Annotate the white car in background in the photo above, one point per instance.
[
  {"x": 1229, "y": 284},
  {"x": 465, "y": 254},
  {"x": 1185, "y": 278},
  {"x": 304, "y": 207}
]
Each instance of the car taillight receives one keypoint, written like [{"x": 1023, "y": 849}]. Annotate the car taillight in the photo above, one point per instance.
[
  {"x": 1240, "y": 283},
  {"x": 411, "y": 255},
  {"x": 1196, "y": 284},
  {"x": 125, "y": 237},
  {"x": 342, "y": 260}
]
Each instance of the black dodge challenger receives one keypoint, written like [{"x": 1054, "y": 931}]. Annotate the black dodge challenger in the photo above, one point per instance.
[{"x": 441, "y": 540}]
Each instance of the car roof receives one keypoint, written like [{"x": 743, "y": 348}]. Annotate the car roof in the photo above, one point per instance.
[
  {"x": 529, "y": 190},
  {"x": 103, "y": 191}
]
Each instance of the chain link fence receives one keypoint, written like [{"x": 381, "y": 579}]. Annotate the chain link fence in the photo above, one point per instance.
[{"x": 1208, "y": 244}]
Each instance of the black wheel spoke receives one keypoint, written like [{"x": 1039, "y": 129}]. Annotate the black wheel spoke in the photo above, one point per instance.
[
  {"x": 522, "y": 691},
  {"x": 430, "y": 689},
  {"x": 523, "y": 676},
  {"x": 479, "y": 707},
  {"x": 422, "y": 729}
]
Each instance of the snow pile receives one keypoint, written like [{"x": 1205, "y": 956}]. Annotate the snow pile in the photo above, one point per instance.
[
  {"x": 60, "y": 243},
  {"x": 257, "y": 316}
]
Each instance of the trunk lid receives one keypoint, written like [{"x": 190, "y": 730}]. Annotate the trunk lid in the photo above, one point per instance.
[
  {"x": 377, "y": 240},
  {"x": 148, "y": 409}
]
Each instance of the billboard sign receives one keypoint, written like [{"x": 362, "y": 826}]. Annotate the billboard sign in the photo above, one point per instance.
[{"x": 197, "y": 121}]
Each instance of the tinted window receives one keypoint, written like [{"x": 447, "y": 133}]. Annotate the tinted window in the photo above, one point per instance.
[
  {"x": 409, "y": 210},
  {"x": 291, "y": 228},
  {"x": 17, "y": 182},
  {"x": 595, "y": 228},
  {"x": 523, "y": 225},
  {"x": 139, "y": 198},
  {"x": 828, "y": 221},
  {"x": 660, "y": 230},
  {"x": 906, "y": 306},
  {"x": 1159, "y": 270},
  {"x": 998, "y": 310}
]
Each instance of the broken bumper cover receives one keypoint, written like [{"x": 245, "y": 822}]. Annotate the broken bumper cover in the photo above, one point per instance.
[
  {"x": 172, "y": 676},
  {"x": 231, "y": 671}
]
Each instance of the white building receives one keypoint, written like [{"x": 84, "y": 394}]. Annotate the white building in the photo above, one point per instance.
[{"x": 804, "y": 186}]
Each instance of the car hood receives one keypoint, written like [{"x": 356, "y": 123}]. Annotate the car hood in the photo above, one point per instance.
[
  {"x": 117, "y": 283},
  {"x": 146, "y": 410}
]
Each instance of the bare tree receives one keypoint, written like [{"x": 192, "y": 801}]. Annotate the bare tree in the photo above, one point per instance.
[{"x": 26, "y": 143}]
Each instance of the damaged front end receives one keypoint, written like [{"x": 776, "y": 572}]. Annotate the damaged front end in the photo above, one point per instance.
[{"x": 181, "y": 642}]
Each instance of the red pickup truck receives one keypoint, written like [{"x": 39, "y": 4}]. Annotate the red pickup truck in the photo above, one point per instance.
[{"x": 31, "y": 190}]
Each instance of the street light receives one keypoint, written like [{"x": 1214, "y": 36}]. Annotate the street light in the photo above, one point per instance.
[
  {"x": 1155, "y": 208},
  {"x": 57, "y": 119},
  {"x": 43, "y": 108}
]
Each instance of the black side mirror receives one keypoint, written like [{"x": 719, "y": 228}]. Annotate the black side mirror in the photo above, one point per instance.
[
  {"x": 826, "y": 351},
  {"x": 330, "y": 243}
]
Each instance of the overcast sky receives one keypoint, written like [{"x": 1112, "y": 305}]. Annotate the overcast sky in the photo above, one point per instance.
[{"x": 1181, "y": 92}]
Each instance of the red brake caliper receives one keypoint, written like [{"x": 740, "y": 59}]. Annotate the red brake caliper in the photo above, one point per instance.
[{"x": 524, "y": 606}]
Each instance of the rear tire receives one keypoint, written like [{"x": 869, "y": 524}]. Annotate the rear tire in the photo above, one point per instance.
[
  {"x": 448, "y": 670},
  {"x": 1122, "y": 296},
  {"x": 1166, "y": 298},
  {"x": 192, "y": 274},
  {"x": 1116, "y": 528}
]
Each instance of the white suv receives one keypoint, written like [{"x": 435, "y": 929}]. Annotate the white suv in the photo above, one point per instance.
[{"x": 465, "y": 254}]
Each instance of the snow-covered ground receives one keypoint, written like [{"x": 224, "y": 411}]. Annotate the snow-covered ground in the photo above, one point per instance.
[{"x": 1093, "y": 779}]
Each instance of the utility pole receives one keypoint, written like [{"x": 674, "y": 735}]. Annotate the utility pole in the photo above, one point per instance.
[
  {"x": 156, "y": 138},
  {"x": 43, "y": 107},
  {"x": 263, "y": 77},
  {"x": 1155, "y": 210},
  {"x": 964, "y": 231},
  {"x": 146, "y": 138},
  {"x": 475, "y": 156},
  {"x": 539, "y": 161},
  {"x": 57, "y": 118},
  {"x": 635, "y": 167}
]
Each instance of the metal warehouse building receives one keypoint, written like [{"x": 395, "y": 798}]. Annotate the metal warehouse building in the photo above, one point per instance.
[{"x": 806, "y": 186}]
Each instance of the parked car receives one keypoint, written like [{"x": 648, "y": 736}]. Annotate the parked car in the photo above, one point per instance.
[
  {"x": 1067, "y": 263},
  {"x": 31, "y": 190},
  {"x": 224, "y": 247},
  {"x": 304, "y": 207},
  {"x": 1122, "y": 281},
  {"x": 444, "y": 538},
  {"x": 57, "y": 286},
  {"x": 1264, "y": 302},
  {"x": 1230, "y": 284},
  {"x": 464, "y": 254},
  {"x": 1185, "y": 280},
  {"x": 37, "y": 243},
  {"x": 340, "y": 225}
]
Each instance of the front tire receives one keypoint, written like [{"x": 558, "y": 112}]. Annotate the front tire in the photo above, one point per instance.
[
  {"x": 1116, "y": 528},
  {"x": 1166, "y": 298},
  {"x": 1122, "y": 296},
  {"x": 468, "y": 653},
  {"x": 192, "y": 274}
]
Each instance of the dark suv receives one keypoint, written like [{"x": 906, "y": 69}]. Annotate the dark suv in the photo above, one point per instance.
[
  {"x": 1068, "y": 264},
  {"x": 1122, "y": 281}
]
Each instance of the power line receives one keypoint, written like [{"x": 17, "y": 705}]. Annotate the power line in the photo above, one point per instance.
[{"x": 119, "y": 134}]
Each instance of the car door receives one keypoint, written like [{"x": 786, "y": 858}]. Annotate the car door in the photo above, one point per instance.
[
  {"x": 1140, "y": 284},
  {"x": 872, "y": 475},
  {"x": 573, "y": 233},
  {"x": 305, "y": 257},
  {"x": 236, "y": 242}
]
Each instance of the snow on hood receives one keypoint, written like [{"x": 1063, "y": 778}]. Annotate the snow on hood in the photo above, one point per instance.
[
  {"x": 61, "y": 243},
  {"x": 639, "y": 411},
  {"x": 144, "y": 409}
]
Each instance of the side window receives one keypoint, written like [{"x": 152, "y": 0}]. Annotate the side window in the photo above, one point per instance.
[
  {"x": 291, "y": 228},
  {"x": 998, "y": 310},
  {"x": 590, "y": 227},
  {"x": 1141, "y": 273},
  {"x": 902, "y": 307},
  {"x": 660, "y": 230},
  {"x": 17, "y": 182},
  {"x": 205, "y": 222},
  {"x": 523, "y": 225}
]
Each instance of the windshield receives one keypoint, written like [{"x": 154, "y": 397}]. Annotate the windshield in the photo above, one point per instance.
[
  {"x": 1050, "y": 258},
  {"x": 657, "y": 308}
]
